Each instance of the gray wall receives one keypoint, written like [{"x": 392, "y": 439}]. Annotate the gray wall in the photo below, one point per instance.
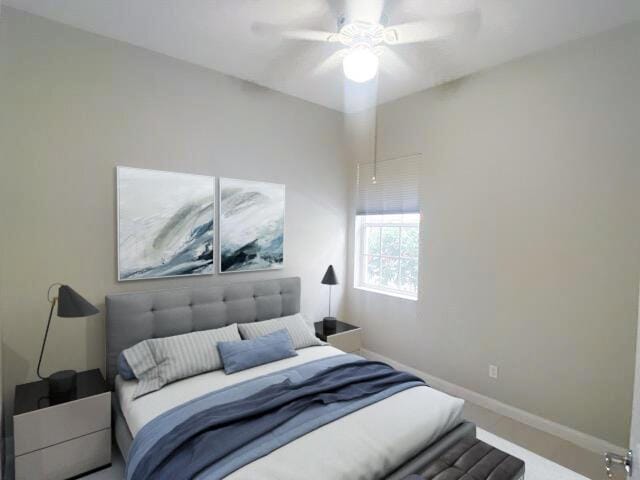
[
  {"x": 75, "y": 105},
  {"x": 530, "y": 253}
]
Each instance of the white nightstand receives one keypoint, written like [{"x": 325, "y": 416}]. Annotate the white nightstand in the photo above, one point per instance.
[
  {"x": 57, "y": 439},
  {"x": 343, "y": 336}
]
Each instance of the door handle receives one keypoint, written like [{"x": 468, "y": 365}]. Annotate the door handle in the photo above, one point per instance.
[{"x": 612, "y": 459}]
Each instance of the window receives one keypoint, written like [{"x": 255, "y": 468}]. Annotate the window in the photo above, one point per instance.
[
  {"x": 388, "y": 226},
  {"x": 387, "y": 253}
]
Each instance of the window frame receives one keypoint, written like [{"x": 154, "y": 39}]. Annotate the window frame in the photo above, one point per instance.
[{"x": 361, "y": 255}]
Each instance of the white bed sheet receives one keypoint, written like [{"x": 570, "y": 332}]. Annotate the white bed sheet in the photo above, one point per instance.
[{"x": 365, "y": 444}]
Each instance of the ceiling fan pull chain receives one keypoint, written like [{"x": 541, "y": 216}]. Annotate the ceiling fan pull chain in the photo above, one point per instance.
[{"x": 375, "y": 148}]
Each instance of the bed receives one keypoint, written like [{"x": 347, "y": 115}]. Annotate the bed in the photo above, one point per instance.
[{"x": 391, "y": 438}]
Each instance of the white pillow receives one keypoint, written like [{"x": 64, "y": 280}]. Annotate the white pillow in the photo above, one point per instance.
[
  {"x": 301, "y": 333},
  {"x": 158, "y": 361}
]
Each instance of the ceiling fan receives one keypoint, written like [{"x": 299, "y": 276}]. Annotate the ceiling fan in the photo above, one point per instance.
[{"x": 365, "y": 41}]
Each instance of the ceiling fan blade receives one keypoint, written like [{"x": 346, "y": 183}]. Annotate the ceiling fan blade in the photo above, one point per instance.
[
  {"x": 311, "y": 35},
  {"x": 278, "y": 31},
  {"x": 428, "y": 30}
]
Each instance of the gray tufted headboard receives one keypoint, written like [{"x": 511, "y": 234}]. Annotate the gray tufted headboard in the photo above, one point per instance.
[{"x": 133, "y": 317}]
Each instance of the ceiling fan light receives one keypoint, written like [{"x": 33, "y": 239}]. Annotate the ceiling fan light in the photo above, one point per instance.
[{"x": 360, "y": 64}]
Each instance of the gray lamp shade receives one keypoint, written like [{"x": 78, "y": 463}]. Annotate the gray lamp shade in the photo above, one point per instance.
[
  {"x": 72, "y": 305},
  {"x": 330, "y": 277}
]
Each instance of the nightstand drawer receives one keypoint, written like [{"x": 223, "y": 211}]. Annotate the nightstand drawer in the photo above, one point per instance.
[
  {"x": 66, "y": 459},
  {"x": 58, "y": 423},
  {"x": 347, "y": 342}
]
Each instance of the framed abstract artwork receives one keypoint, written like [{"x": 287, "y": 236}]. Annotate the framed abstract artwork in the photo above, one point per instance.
[
  {"x": 251, "y": 225},
  {"x": 165, "y": 224}
]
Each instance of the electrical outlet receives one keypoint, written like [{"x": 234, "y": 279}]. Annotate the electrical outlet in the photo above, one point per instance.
[{"x": 493, "y": 371}]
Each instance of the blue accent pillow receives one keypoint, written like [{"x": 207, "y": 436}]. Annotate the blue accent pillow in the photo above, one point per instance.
[
  {"x": 243, "y": 354},
  {"x": 124, "y": 369}
]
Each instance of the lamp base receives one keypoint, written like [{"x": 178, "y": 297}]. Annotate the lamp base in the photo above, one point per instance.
[
  {"x": 329, "y": 322},
  {"x": 62, "y": 383}
]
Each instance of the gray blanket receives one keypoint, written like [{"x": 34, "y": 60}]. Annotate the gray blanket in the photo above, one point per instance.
[{"x": 200, "y": 441}]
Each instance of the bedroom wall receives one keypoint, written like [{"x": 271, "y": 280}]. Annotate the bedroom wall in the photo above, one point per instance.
[
  {"x": 75, "y": 105},
  {"x": 530, "y": 255}
]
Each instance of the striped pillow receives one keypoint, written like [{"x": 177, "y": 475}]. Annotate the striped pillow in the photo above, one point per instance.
[
  {"x": 159, "y": 361},
  {"x": 299, "y": 330}
]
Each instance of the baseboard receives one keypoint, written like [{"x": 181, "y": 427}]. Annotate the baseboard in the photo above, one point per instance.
[{"x": 576, "y": 437}]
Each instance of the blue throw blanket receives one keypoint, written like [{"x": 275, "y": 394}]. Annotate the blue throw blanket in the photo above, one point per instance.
[{"x": 212, "y": 436}]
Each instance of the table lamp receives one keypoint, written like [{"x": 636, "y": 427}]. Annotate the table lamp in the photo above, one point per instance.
[
  {"x": 330, "y": 279},
  {"x": 70, "y": 305}
]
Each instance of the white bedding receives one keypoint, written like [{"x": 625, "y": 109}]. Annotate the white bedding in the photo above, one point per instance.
[{"x": 368, "y": 443}]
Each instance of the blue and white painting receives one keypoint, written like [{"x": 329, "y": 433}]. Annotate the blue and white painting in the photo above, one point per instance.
[
  {"x": 165, "y": 224},
  {"x": 251, "y": 225}
]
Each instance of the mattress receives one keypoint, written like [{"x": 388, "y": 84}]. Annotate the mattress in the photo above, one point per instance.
[{"x": 368, "y": 443}]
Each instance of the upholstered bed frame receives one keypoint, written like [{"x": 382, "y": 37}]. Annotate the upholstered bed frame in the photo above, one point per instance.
[{"x": 133, "y": 317}]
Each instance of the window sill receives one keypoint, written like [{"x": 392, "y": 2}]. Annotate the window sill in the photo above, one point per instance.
[{"x": 385, "y": 292}]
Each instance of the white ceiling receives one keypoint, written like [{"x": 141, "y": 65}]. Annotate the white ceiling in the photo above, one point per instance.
[{"x": 222, "y": 35}]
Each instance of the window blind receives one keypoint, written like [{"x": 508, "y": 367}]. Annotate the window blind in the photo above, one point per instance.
[{"x": 395, "y": 190}]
